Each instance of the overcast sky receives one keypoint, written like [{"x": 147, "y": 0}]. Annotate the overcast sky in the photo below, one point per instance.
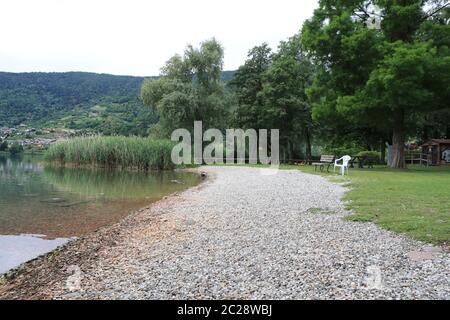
[{"x": 136, "y": 37}]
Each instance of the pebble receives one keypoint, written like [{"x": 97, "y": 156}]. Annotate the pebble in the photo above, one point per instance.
[{"x": 249, "y": 234}]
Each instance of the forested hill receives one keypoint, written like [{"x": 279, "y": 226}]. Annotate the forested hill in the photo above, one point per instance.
[{"x": 77, "y": 100}]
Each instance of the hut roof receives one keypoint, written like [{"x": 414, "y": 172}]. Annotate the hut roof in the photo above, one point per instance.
[{"x": 436, "y": 142}]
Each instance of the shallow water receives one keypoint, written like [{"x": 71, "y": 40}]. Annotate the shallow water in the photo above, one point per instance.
[{"x": 61, "y": 203}]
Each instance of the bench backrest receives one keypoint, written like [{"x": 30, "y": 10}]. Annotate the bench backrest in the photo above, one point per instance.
[{"x": 327, "y": 158}]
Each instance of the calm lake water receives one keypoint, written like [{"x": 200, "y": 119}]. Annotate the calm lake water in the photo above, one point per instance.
[{"x": 42, "y": 207}]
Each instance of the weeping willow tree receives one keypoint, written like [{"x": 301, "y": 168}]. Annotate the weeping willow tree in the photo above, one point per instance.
[{"x": 190, "y": 89}]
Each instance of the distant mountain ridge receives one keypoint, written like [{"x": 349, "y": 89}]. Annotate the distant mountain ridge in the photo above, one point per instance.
[{"x": 79, "y": 100}]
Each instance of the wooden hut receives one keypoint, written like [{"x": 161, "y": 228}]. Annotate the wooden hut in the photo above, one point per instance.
[{"x": 438, "y": 151}]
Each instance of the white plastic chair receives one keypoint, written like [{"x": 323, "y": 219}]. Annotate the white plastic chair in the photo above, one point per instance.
[{"x": 345, "y": 160}]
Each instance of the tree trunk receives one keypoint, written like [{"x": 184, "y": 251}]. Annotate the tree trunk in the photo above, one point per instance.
[
  {"x": 425, "y": 136},
  {"x": 308, "y": 152},
  {"x": 382, "y": 151},
  {"x": 398, "y": 141},
  {"x": 288, "y": 154}
]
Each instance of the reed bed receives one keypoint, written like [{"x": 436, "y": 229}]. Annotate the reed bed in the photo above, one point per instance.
[{"x": 113, "y": 152}]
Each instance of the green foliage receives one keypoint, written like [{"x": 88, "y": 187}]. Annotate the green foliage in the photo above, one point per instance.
[
  {"x": 339, "y": 151},
  {"x": 247, "y": 85},
  {"x": 414, "y": 72},
  {"x": 75, "y": 100},
  {"x": 270, "y": 93},
  {"x": 15, "y": 148},
  {"x": 113, "y": 152},
  {"x": 369, "y": 154},
  {"x": 4, "y": 146},
  {"x": 190, "y": 89},
  {"x": 99, "y": 103},
  {"x": 378, "y": 79},
  {"x": 286, "y": 105}
]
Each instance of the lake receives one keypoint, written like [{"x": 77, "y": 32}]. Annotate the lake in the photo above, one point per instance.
[{"x": 43, "y": 207}]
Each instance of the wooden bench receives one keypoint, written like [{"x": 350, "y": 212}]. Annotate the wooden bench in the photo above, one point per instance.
[{"x": 325, "y": 160}]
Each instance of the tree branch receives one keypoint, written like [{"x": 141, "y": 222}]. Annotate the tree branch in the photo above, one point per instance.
[{"x": 432, "y": 13}]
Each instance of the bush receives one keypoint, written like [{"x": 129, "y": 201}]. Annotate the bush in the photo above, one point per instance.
[
  {"x": 113, "y": 152},
  {"x": 369, "y": 154},
  {"x": 4, "y": 146},
  {"x": 341, "y": 151},
  {"x": 15, "y": 148}
]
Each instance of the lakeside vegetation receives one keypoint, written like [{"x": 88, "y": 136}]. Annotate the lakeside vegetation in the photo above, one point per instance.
[{"x": 113, "y": 152}]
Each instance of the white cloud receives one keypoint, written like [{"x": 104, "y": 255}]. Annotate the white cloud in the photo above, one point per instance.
[{"x": 136, "y": 36}]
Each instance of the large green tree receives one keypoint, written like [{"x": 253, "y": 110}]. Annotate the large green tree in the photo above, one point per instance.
[
  {"x": 247, "y": 84},
  {"x": 284, "y": 92},
  {"x": 190, "y": 89},
  {"x": 270, "y": 92},
  {"x": 382, "y": 64}
]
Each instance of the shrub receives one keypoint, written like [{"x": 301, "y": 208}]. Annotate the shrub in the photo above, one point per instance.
[
  {"x": 341, "y": 151},
  {"x": 4, "y": 146},
  {"x": 113, "y": 152},
  {"x": 370, "y": 154},
  {"x": 15, "y": 148}
]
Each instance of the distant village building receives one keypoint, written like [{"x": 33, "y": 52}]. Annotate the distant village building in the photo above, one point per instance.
[
  {"x": 6, "y": 132},
  {"x": 38, "y": 142}
]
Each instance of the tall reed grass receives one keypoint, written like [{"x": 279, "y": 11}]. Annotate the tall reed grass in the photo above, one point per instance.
[{"x": 113, "y": 152}]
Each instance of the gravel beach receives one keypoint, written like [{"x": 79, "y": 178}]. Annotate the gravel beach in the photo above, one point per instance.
[{"x": 243, "y": 234}]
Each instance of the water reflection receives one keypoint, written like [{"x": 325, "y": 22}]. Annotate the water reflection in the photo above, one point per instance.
[
  {"x": 61, "y": 203},
  {"x": 67, "y": 202}
]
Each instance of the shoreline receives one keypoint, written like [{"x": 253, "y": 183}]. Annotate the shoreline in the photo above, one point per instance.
[
  {"x": 235, "y": 236},
  {"x": 74, "y": 251}
]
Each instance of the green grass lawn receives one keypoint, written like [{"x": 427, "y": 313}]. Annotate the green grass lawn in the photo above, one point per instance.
[{"x": 415, "y": 201}]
